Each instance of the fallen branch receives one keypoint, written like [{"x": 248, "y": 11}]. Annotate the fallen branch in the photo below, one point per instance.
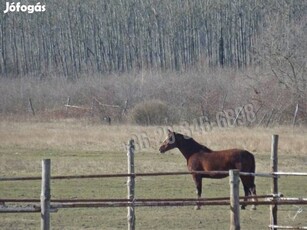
[
  {"x": 77, "y": 107},
  {"x": 106, "y": 105}
]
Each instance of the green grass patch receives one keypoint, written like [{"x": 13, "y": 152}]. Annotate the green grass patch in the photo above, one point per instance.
[{"x": 22, "y": 160}]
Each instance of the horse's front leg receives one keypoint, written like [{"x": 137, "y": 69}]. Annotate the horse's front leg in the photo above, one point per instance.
[{"x": 198, "y": 183}]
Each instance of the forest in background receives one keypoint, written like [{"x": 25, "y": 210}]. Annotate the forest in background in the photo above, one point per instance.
[{"x": 196, "y": 57}]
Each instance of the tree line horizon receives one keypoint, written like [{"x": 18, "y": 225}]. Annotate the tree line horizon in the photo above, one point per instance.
[{"x": 74, "y": 38}]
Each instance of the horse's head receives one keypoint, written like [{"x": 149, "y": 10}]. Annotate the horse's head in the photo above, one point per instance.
[{"x": 169, "y": 143}]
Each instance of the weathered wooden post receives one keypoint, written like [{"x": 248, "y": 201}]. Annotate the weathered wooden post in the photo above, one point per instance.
[
  {"x": 131, "y": 185},
  {"x": 234, "y": 199},
  {"x": 45, "y": 195},
  {"x": 31, "y": 108},
  {"x": 295, "y": 115},
  {"x": 274, "y": 189}
]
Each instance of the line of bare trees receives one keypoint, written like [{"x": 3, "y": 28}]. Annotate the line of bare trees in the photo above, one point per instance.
[
  {"x": 75, "y": 37},
  {"x": 197, "y": 56}
]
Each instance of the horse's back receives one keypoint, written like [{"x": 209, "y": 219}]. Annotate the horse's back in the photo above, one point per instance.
[
  {"x": 240, "y": 159},
  {"x": 222, "y": 160}
]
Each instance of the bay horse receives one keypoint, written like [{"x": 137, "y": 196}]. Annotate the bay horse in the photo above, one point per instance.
[{"x": 201, "y": 158}]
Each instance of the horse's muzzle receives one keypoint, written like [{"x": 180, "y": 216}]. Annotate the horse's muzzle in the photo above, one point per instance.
[{"x": 161, "y": 150}]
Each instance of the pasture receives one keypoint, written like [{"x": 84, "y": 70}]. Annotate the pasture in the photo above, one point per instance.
[{"x": 80, "y": 147}]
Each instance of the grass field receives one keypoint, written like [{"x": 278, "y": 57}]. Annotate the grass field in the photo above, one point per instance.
[{"x": 81, "y": 147}]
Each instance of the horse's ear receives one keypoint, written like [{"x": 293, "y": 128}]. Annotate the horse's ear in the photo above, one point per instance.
[{"x": 169, "y": 131}]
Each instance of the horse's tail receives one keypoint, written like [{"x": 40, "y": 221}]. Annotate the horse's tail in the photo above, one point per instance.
[
  {"x": 247, "y": 161},
  {"x": 249, "y": 181},
  {"x": 253, "y": 167},
  {"x": 249, "y": 165}
]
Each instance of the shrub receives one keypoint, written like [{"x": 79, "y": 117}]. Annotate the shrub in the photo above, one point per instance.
[{"x": 152, "y": 112}]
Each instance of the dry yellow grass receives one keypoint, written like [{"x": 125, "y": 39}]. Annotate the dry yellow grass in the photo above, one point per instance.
[
  {"x": 82, "y": 135},
  {"x": 67, "y": 138},
  {"x": 96, "y": 143}
]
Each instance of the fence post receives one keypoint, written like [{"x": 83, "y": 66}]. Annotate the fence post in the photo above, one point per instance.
[
  {"x": 274, "y": 189},
  {"x": 131, "y": 185},
  {"x": 234, "y": 200},
  {"x": 45, "y": 195},
  {"x": 31, "y": 108}
]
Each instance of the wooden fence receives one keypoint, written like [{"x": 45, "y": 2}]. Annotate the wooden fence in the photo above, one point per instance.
[{"x": 48, "y": 205}]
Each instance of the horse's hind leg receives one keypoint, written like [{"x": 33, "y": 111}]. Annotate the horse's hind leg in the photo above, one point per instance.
[
  {"x": 246, "y": 193},
  {"x": 249, "y": 190},
  {"x": 198, "y": 184},
  {"x": 252, "y": 192}
]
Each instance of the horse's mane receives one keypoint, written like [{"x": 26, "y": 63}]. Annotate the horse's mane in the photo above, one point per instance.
[
  {"x": 200, "y": 146},
  {"x": 193, "y": 145}
]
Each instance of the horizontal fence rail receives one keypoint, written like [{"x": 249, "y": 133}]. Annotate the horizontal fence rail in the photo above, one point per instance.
[
  {"x": 286, "y": 227},
  {"x": 212, "y": 173},
  {"x": 57, "y": 203},
  {"x": 20, "y": 209},
  {"x": 29, "y": 209},
  {"x": 171, "y": 203},
  {"x": 123, "y": 200},
  {"x": 54, "y": 205}
]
